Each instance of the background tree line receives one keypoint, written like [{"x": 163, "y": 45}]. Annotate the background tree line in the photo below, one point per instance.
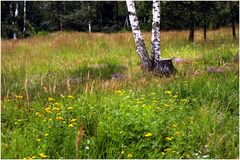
[{"x": 47, "y": 16}]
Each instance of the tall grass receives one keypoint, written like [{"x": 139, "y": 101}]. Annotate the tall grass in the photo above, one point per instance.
[{"x": 59, "y": 100}]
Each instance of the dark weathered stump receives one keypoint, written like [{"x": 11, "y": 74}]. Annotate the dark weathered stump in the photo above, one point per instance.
[{"x": 164, "y": 67}]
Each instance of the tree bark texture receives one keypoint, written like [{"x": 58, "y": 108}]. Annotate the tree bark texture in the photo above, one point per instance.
[
  {"x": 24, "y": 18},
  {"x": 15, "y": 17},
  {"x": 155, "y": 38},
  {"x": 89, "y": 21},
  {"x": 140, "y": 45}
]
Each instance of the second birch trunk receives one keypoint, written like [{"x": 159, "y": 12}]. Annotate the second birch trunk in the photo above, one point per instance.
[{"x": 155, "y": 38}]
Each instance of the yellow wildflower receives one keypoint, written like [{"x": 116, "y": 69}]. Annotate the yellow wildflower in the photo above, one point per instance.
[
  {"x": 70, "y": 96},
  {"x": 148, "y": 135},
  {"x": 56, "y": 104},
  {"x": 43, "y": 155},
  {"x": 130, "y": 155},
  {"x": 70, "y": 108},
  {"x": 175, "y": 96},
  {"x": 38, "y": 139},
  {"x": 74, "y": 120},
  {"x": 168, "y": 92},
  {"x": 177, "y": 133},
  {"x": 38, "y": 114},
  {"x": 191, "y": 120},
  {"x": 59, "y": 118},
  {"x": 70, "y": 125},
  {"x": 118, "y": 92},
  {"x": 46, "y": 134},
  {"x": 49, "y": 126},
  {"x": 51, "y": 99},
  {"x": 166, "y": 105},
  {"x": 169, "y": 138},
  {"x": 56, "y": 109},
  {"x": 33, "y": 157},
  {"x": 18, "y": 97},
  {"x": 48, "y": 110}
]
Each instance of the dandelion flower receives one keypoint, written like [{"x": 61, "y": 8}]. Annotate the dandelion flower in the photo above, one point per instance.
[
  {"x": 169, "y": 138},
  {"x": 56, "y": 109},
  {"x": 175, "y": 96},
  {"x": 70, "y": 125},
  {"x": 38, "y": 139},
  {"x": 33, "y": 157},
  {"x": 74, "y": 120},
  {"x": 46, "y": 134},
  {"x": 51, "y": 99},
  {"x": 48, "y": 110},
  {"x": 59, "y": 118},
  {"x": 70, "y": 96},
  {"x": 38, "y": 114},
  {"x": 130, "y": 155},
  {"x": 56, "y": 104},
  {"x": 168, "y": 92},
  {"x": 148, "y": 135},
  {"x": 43, "y": 155}
]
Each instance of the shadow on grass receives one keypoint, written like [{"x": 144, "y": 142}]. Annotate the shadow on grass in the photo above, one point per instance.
[{"x": 95, "y": 71}]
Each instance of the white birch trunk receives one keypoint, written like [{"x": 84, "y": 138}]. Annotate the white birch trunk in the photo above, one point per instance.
[
  {"x": 12, "y": 17},
  {"x": 24, "y": 17},
  {"x": 15, "y": 16},
  {"x": 155, "y": 38},
  {"x": 89, "y": 22},
  {"x": 140, "y": 45}
]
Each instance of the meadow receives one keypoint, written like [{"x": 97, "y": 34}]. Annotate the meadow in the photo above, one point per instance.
[{"x": 60, "y": 98}]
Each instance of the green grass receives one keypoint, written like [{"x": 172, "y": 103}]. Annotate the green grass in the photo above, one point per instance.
[{"x": 56, "y": 85}]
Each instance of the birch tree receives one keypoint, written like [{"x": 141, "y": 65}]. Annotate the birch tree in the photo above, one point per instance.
[
  {"x": 15, "y": 22},
  {"x": 141, "y": 48},
  {"x": 24, "y": 18},
  {"x": 89, "y": 22},
  {"x": 157, "y": 65},
  {"x": 155, "y": 38}
]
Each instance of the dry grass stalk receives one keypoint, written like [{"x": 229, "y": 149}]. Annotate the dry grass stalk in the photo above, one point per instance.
[
  {"x": 80, "y": 135},
  {"x": 54, "y": 86},
  {"x": 25, "y": 87},
  {"x": 50, "y": 88},
  {"x": 92, "y": 87},
  {"x": 86, "y": 88},
  {"x": 68, "y": 84}
]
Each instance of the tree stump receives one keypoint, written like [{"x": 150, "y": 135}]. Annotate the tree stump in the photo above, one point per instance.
[{"x": 165, "y": 67}]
